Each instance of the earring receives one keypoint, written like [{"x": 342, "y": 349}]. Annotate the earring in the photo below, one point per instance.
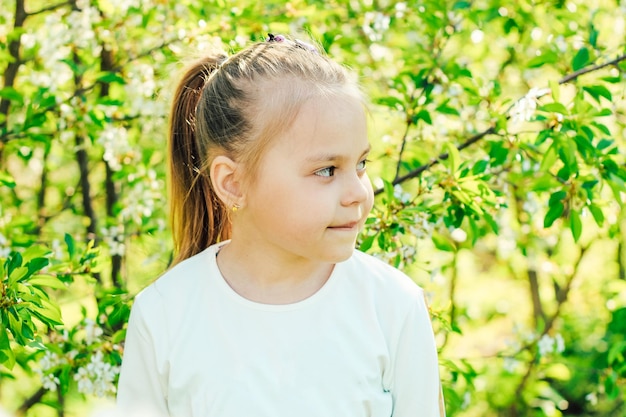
[{"x": 235, "y": 207}]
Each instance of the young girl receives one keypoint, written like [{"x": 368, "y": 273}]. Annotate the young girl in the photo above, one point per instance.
[{"x": 269, "y": 311}]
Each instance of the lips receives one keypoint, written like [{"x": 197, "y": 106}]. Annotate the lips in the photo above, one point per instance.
[{"x": 345, "y": 226}]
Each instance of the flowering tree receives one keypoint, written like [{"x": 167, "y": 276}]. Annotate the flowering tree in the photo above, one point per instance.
[{"x": 498, "y": 133}]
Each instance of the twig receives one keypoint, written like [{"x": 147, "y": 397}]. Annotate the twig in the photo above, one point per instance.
[
  {"x": 434, "y": 161},
  {"x": 591, "y": 68},
  {"x": 30, "y": 401},
  {"x": 49, "y": 8}
]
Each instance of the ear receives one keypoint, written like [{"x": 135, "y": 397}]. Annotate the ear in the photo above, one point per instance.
[{"x": 225, "y": 178}]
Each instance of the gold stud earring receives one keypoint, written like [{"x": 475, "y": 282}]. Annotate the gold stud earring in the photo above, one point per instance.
[{"x": 235, "y": 208}]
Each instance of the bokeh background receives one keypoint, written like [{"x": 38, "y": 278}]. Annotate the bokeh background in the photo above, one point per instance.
[{"x": 498, "y": 133}]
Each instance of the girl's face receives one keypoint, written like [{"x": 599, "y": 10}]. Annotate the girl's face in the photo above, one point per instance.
[{"x": 311, "y": 194}]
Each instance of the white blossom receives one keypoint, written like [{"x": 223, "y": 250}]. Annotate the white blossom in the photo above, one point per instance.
[
  {"x": 421, "y": 227},
  {"x": 458, "y": 235},
  {"x": 400, "y": 9},
  {"x": 49, "y": 361},
  {"x": 47, "y": 366},
  {"x": 560, "y": 343},
  {"x": 592, "y": 397},
  {"x": 548, "y": 344},
  {"x": 545, "y": 345},
  {"x": 141, "y": 200},
  {"x": 140, "y": 89},
  {"x": 117, "y": 150},
  {"x": 50, "y": 382},
  {"x": 510, "y": 364},
  {"x": 92, "y": 331},
  {"x": 114, "y": 238},
  {"x": 97, "y": 376},
  {"x": 524, "y": 109},
  {"x": 375, "y": 24},
  {"x": 401, "y": 195}
]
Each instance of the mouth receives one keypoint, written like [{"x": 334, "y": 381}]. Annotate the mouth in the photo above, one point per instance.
[{"x": 348, "y": 227}]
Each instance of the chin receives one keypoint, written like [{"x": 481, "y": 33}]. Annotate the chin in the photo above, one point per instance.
[{"x": 341, "y": 255}]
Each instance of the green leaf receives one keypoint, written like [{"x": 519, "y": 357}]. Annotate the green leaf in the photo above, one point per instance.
[
  {"x": 480, "y": 167},
  {"x": 445, "y": 109},
  {"x": 597, "y": 214},
  {"x": 454, "y": 158},
  {"x": 7, "y": 357},
  {"x": 601, "y": 127},
  {"x": 555, "y": 108},
  {"x": 37, "y": 264},
  {"x": 593, "y": 35},
  {"x": 71, "y": 247},
  {"x": 48, "y": 313},
  {"x": 597, "y": 91},
  {"x": 47, "y": 281},
  {"x": 423, "y": 115},
  {"x": 555, "y": 212},
  {"x": 581, "y": 59},
  {"x": 18, "y": 274},
  {"x": 555, "y": 88},
  {"x": 367, "y": 243},
  {"x": 443, "y": 243},
  {"x": 462, "y": 5},
  {"x": 36, "y": 251},
  {"x": 391, "y": 102},
  {"x": 549, "y": 158},
  {"x": 616, "y": 353},
  {"x": 7, "y": 179},
  {"x": 604, "y": 144},
  {"x": 111, "y": 77},
  {"x": 544, "y": 182},
  {"x": 575, "y": 224},
  {"x": 11, "y": 94}
]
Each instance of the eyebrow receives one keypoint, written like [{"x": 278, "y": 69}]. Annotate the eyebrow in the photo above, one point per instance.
[{"x": 323, "y": 157}]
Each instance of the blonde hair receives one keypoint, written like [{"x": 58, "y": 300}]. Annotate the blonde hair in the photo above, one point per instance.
[{"x": 235, "y": 106}]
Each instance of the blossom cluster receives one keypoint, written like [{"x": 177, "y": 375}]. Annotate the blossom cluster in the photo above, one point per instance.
[
  {"x": 143, "y": 198},
  {"x": 97, "y": 377},
  {"x": 117, "y": 150},
  {"x": 524, "y": 109},
  {"x": 84, "y": 351}
]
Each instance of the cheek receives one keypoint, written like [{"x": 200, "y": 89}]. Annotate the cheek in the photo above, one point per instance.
[{"x": 369, "y": 204}]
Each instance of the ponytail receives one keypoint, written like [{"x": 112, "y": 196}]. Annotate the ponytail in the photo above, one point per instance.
[{"x": 197, "y": 216}]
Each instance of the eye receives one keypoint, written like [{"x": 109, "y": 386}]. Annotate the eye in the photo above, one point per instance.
[
  {"x": 362, "y": 165},
  {"x": 325, "y": 172}
]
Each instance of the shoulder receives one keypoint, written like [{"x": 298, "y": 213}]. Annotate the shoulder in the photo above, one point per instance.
[
  {"x": 382, "y": 278},
  {"x": 179, "y": 283}
]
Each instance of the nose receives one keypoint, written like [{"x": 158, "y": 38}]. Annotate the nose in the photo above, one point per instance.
[{"x": 357, "y": 189}]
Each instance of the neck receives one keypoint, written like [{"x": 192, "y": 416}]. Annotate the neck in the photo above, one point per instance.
[{"x": 266, "y": 276}]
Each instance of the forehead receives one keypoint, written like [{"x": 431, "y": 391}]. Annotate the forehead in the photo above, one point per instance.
[{"x": 335, "y": 121}]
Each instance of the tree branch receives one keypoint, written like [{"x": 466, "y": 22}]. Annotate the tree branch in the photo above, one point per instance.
[
  {"x": 591, "y": 68},
  {"x": 561, "y": 300},
  {"x": 30, "y": 401},
  {"x": 10, "y": 73},
  {"x": 49, "y": 8},
  {"x": 477, "y": 137},
  {"x": 434, "y": 161}
]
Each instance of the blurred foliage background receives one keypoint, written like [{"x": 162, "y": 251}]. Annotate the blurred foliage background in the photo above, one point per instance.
[{"x": 498, "y": 130}]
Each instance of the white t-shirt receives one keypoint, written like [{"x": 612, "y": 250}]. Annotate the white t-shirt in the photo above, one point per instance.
[{"x": 361, "y": 346}]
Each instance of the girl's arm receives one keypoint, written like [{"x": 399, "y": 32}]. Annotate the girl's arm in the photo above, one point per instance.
[
  {"x": 142, "y": 387},
  {"x": 416, "y": 387}
]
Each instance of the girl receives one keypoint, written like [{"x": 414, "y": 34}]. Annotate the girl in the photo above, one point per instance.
[{"x": 269, "y": 310}]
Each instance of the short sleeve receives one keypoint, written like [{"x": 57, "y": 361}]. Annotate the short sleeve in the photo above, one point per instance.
[
  {"x": 142, "y": 384},
  {"x": 416, "y": 386}
]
